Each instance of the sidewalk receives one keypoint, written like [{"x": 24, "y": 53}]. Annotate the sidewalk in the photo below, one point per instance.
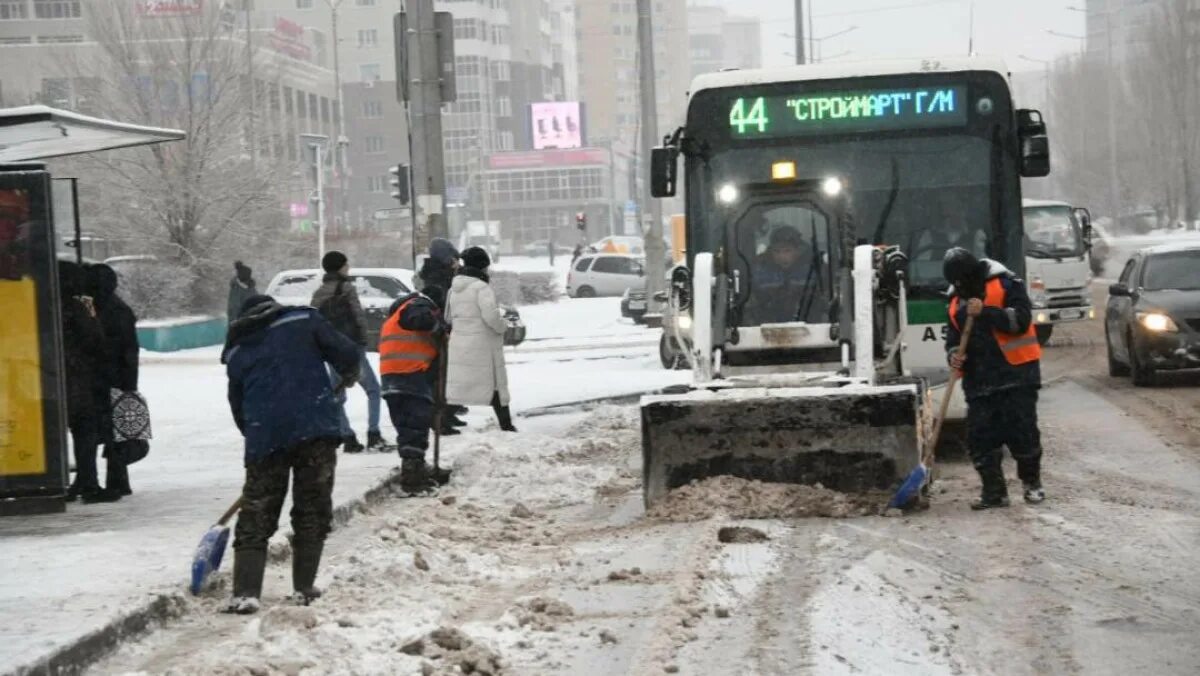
[{"x": 67, "y": 576}]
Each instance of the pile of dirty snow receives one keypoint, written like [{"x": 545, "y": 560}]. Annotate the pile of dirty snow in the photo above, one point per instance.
[{"x": 743, "y": 499}]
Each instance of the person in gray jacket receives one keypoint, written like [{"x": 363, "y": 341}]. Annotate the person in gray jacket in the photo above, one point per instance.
[{"x": 337, "y": 300}]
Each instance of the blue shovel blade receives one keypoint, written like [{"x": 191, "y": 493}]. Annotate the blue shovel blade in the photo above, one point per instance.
[
  {"x": 911, "y": 486},
  {"x": 208, "y": 556}
]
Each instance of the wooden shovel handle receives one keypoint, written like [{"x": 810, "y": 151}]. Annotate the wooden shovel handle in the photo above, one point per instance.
[
  {"x": 233, "y": 509},
  {"x": 954, "y": 377}
]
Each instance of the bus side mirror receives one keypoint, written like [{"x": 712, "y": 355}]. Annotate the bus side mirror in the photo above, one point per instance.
[
  {"x": 663, "y": 171},
  {"x": 1035, "y": 145}
]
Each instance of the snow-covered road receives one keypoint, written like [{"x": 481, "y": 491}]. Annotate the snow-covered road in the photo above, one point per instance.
[{"x": 68, "y": 575}]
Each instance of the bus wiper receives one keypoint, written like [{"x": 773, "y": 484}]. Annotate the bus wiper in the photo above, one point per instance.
[{"x": 893, "y": 193}]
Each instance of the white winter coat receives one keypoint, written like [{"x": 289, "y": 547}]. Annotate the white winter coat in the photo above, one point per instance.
[{"x": 476, "y": 361}]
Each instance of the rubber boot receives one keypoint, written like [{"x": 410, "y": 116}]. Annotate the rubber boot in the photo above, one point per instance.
[
  {"x": 306, "y": 560},
  {"x": 994, "y": 490},
  {"x": 504, "y": 416},
  {"x": 415, "y": 478},
  {"x": 249, "y": 567}
]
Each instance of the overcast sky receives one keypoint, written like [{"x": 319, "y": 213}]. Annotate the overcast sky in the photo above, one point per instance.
[{"x": 918, "y": 28}]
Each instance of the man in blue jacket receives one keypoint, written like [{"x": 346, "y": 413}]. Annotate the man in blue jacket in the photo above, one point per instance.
[{"x": 288, "y": 412}]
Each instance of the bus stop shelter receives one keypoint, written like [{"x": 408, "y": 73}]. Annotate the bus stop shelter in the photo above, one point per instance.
[{"x": 33, "y": 414}]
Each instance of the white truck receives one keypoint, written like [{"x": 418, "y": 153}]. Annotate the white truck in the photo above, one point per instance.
[{"x": 1057, "y": 265}]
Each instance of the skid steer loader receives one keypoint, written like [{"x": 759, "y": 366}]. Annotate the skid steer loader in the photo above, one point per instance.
[{"x": 796, "y": 349}]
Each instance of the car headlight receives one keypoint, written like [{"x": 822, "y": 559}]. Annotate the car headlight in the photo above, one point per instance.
[
  {"x": 1157, "y": 322},
  {"x": 1037, "y": 291},
  {"x": 684, "y": 323}
]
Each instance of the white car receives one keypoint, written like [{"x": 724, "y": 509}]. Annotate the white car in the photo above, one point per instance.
[
  {"x": 603, "y": 274},
  {"x": 377, "y": 289}
]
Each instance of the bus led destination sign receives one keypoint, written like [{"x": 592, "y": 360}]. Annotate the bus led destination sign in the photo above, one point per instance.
[{"x": 865, "y": 111}]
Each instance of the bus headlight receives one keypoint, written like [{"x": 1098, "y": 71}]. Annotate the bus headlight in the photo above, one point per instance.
[
  {"x": 1157, "y": 322},
  {"x": 728, "y": 194},
  {"x": 832, "y": 186}
]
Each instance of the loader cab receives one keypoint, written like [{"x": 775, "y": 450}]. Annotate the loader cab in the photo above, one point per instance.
[{"x": 780, "y": 258}]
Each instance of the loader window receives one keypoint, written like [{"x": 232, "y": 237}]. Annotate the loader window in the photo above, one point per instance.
[{"x": 783, "y": 261}]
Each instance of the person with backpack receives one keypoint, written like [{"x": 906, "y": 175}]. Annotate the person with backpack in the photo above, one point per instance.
[{"x": 337, "y": 301}]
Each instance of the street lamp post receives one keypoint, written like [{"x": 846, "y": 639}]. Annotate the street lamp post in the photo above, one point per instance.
[{"x": 342, "y": 142}]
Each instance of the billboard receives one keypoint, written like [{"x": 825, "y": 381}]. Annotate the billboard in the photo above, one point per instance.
[{"x": 556, "y": 125}]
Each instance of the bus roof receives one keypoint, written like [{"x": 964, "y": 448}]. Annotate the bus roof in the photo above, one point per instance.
[
  {"x": 837, "y": 71},
  {"x": 1028, "y": 203}
]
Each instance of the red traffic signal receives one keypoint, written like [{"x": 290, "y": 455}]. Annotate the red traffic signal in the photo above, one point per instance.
[{"x": 581, "y": 220}]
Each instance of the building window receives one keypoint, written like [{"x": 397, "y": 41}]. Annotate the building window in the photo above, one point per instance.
[
  {"x": 13, "y": 9},
  {"x": 304, "y": 4},
  {"x": 288, "y": 100},
  {"x": 325, "y": 110},
  {"x": 56, "y": 9},
  {"x": 377, "y": 183},
  {"x": 364, "y": 3},
  {"x": 373, "y": 144},
  {"x": 369, "y": 72},
  {"x": 58, "y": 39},
  {"x": 368, "y": 37},
  {"x": 373, "y": 109}
]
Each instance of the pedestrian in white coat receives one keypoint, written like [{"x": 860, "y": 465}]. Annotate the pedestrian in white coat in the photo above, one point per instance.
[{"x": 476, "y": 374}]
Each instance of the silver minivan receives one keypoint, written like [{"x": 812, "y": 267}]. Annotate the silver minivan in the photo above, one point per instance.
[{"x": 604, "y": 274}]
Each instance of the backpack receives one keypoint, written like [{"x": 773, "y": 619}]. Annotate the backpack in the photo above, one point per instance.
[{"x": 337, "y": 310}]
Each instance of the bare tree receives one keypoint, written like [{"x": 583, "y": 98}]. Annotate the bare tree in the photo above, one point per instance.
[
  {"x": 1166, "y": 84},
  {"x": 201, "y": 201}
]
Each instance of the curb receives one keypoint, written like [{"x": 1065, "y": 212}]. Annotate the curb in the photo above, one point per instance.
[
  {"x": 90, "y": 648},
  {"x": 585, "y": 404}
]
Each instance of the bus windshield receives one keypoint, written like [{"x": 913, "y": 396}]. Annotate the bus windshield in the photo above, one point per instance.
[
  {"x": 939, "y": 184},
  {"x": 1051, "y": 232}
]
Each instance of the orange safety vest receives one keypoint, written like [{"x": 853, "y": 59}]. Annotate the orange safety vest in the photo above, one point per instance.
[
  {"x": 1017, "y": 349},
  {"x": 402, "y": 351}
]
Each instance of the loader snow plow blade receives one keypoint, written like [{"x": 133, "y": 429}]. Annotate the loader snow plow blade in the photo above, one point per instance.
[{"x": 852, "y": 438}]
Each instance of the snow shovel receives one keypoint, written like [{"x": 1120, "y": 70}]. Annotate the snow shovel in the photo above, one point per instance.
[
  {"x": 917, "y": 479},
  {"x": 211, "y": 549}
]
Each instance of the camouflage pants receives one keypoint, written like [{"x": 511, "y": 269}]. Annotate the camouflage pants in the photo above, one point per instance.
[{"x": 312, "y": 463}]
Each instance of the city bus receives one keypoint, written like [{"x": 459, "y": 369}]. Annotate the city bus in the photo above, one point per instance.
[{"x": 931, "y": 153}]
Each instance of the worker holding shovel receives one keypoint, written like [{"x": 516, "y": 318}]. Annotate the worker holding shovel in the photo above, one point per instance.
[
  {"x": 286, "y": 408},
  {"x": 1001, "y": 373}
]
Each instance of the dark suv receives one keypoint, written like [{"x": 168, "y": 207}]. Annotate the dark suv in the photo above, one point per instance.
[{"x": 1152, "y": 322}]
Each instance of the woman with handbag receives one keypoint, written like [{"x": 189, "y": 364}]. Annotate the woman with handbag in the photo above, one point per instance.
[
  {"x": 475, "y": 372},
  {"x": 120, "y": 371}
]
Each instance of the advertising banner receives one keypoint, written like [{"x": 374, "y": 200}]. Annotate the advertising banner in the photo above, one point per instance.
[{"x": 557, "y": 124}]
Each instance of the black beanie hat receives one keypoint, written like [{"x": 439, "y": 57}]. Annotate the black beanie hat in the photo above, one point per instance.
[
  {"x": 334, "y": 261},
  {"x": 476, "y": 257}
]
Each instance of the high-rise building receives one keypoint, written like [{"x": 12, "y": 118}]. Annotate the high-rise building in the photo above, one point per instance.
[
  {"x": 608, "y": 66},
  {"x": 1128, "y": 21},
  {"x": 718, "y": 40}
]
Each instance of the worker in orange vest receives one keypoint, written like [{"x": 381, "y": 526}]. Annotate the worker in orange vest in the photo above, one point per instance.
[
  {"x": 1001, "y": 373},
  {"x": 409, "y": 343}
]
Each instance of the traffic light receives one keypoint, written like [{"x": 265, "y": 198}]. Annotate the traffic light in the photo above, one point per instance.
[
  {"x": 581, "y": 221},
  {"x": 400, "y": 184}
]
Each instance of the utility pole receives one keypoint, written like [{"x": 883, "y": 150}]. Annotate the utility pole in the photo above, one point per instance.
[
  {"x": 800, "y": 52},
  {"x": 424, "y": 70},
  {"x": 339, "y": 147},
  {"x": 651, "y": 208},
  {"x": 1114, "y": 181}
]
